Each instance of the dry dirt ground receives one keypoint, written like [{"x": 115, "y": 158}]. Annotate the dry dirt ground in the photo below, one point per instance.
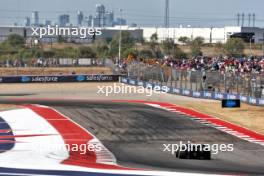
[
  {"x": 54, "y": 70},
  {"x": 6, "y": 107},
  {"x": 251, "y": 117}
]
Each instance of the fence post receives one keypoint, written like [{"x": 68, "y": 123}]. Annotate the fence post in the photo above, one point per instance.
[{"x": 225, "y": 81}]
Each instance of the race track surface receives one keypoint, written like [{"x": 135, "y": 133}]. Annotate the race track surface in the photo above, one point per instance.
[{"x": 135, "y": 134}]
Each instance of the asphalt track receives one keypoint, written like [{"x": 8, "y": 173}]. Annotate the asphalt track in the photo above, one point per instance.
[{"x": 135, "y": 134}]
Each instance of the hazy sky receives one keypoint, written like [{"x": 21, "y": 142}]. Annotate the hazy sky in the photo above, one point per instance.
[{"x": 142, "y": 12}]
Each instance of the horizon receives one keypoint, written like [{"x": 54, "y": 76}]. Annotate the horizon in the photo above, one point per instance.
[{"x": 202, "y": 14}]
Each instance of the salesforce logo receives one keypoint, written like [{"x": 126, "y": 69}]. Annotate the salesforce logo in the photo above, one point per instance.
[
  {"x": 80, "y": 78},
  {"x": 230, "y": 103},
  {"x": 25, "y": 79}
]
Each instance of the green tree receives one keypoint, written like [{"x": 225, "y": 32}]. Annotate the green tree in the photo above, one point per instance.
[
  {"x": 49, "y": 53},
  {"x": 146, "y": 54},
  {"x": 101, "y": 48},
  {"x": 178, "y": 53},
  {"x": 36, "y": 52},
  {"x": 168, "y": 46},
  {"x": 62, "y": 39},
  {"x": 15, "y": 41},
  {"x": 154, "y": 46},
  {"x": 153, "y": 40},
  {"x": 70, "y": 52},
  {"x": 234, "y": 47},
  {"x": 199, "y": 40},
  {"x": 24, "y": 53},
  {"x": 127, "y": 42},
  {"x": 130, "y": 51},
  {"x": 196, "y": 46},
  {"x": 184, "y": 40},
  {"x": 86, "y": 52}
]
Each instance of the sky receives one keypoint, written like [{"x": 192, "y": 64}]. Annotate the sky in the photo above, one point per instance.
[{"x": 196, "y": 13}]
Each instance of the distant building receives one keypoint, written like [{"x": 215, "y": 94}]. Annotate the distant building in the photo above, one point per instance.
[
  {"x": 35, "y": 18},
  {"x": 121, "y": 21},
  {"x": 107, "y": 33},
  {"x": 98, "y": 20},
  {"x": 27, "y": 21},
  {"x": 64, "y": 20},
  {"x": 109, "y": 19},
  {"x": 210, "y": 35},
  {"x": 80, "y": 18},
  {"x": 47, "y": 23},
  {"x": 133, "y": 25},
  {"x": 89, "y": 21}
]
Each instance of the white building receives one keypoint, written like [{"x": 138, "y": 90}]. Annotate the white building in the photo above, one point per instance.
[{"x": 211, "y": 35}]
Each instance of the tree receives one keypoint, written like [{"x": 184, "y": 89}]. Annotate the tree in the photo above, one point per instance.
[
  {"x": 62, "y": 39},
  {"x": 70, "y": 52},
  {"x": 86, "y": 52},
  {"x": 127, "y": 42},
  {"x": 101, "y": 48},
  {"x": 130, "y": 52},
  {"x": 154, "y": 38},
  {"x": 36, "y": 52},
  {"x": 178, "y": 53},
  {"x": 234, "y": 47},
  {"x": 154, "y": 46},
  {"x": 168, "y": 46},
  {"x": 15, "y": 41},
  {"x": 199, "y": 40},
  {"x": 196, "y": 46},
  {"x": 219, "y": 47},
  {"x": 146, "y": 54},
  {"x": 49, "y": 53},
  {"x": 153, "y": 42},
  {"x": 184, "y": 39},
  {"x": 24, "y": 53}
]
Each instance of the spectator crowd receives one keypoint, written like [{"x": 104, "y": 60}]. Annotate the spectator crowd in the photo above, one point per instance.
[{"x": 222, "y": 64}]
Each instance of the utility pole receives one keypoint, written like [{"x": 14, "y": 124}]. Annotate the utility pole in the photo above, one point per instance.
[
  {"x": 120, "y": 38},
  {"x": 263, "y": 44},
  {"x": 243, "y": 19},
  {"x": 254, "y": 19},
  {"x": 166, "y": 19},
  {"x": 238, "y": 19},
  {"x": 249, "y": 19},
  {"x": 250, "y": 45}
]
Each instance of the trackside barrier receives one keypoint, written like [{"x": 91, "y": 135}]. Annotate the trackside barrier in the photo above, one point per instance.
[
  {"x": 59, "y": 78},
  {"x": 195, "y": 94}
]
